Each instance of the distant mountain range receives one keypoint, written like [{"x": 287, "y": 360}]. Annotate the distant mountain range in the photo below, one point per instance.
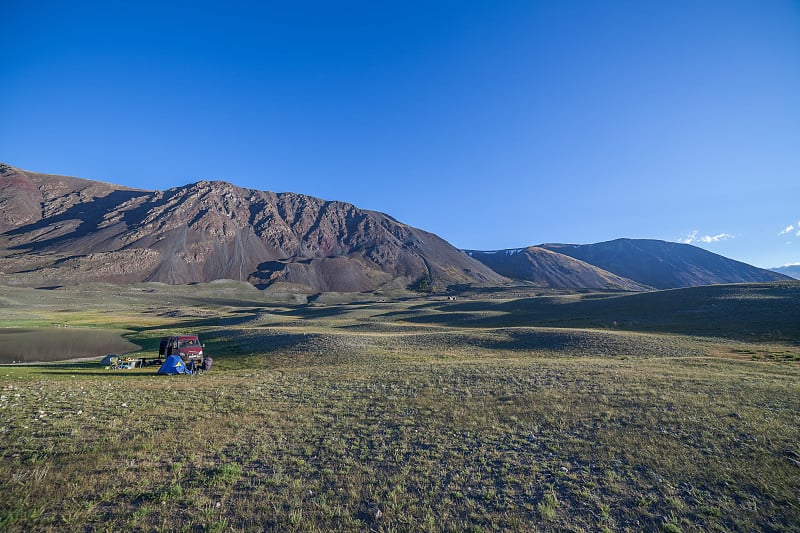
[
  {"x": 792, "y": 271},
  {"x": 58, "y": 230},
  {"x": 627, "y": 264},
  {"x": 546, "y": 268},
  {"x": 665, "y": 265}
]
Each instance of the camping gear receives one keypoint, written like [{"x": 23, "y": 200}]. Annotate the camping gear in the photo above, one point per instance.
[
  {"x": 173, "y": 365},
  {"x": 126, "y": 363},
  {"x": 113, "y": 361},
  {"x": 110, "y": 360}
]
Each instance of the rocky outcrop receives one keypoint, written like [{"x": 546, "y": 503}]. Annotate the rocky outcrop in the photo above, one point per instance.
[{"x": 61, "y": 230}]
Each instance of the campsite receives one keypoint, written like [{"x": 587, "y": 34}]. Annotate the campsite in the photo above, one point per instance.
[
  {"x": 400, "y": 267},
  {"x": 495, "y": 411}
]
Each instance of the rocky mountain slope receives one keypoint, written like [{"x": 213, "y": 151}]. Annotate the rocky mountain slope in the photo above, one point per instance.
[
  {"x": 664, "y": 265},
  {"x": 57, "y": 230},
  {"x": 546, "y": 268}
]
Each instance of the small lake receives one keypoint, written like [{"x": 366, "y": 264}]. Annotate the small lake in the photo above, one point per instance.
[{"x": 29, "y": 345}]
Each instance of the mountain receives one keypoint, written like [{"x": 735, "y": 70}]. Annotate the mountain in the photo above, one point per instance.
[
  {"x": 58, "y": 230},
  {"x": 793, "y": 271},
  {"x": 622, "y": 264},
  {"x": 664, "y": 265},
  {"x": 546, "y": 268}
]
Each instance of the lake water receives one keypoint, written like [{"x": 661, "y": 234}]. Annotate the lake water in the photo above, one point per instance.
[{"x": 28, "y": 345}]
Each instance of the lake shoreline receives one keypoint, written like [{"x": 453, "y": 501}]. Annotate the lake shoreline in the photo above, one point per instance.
[{"x": 31, "y": 345}]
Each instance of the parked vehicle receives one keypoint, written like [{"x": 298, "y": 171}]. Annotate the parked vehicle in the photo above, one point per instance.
[{"x": 187, "y": 347}]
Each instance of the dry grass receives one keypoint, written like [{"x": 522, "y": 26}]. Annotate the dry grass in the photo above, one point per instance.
[{"x": 346, "y": 417}]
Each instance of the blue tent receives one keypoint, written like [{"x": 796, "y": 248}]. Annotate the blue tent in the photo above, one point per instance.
[{"x": 173, "y": 365}]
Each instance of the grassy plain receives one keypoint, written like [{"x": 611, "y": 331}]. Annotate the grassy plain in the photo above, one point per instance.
[{"x": 505, "y": 410}]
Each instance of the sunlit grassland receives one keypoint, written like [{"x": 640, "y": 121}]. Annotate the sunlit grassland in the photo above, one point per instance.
[{"x": 348, "y": 417}]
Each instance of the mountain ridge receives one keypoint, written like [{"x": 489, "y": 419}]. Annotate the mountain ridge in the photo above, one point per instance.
[
  {"x": 793, "y": 271},
  {"x": 545, "y": 268},
  {"x": 663, "y": 264},
  {"x": 213, "y": 230},
  {"x": 61, "y": 230},
  {"x": 627, "y": 264}
]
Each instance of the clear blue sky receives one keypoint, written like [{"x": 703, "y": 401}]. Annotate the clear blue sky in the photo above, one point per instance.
[{"x": 493, "y": 124}]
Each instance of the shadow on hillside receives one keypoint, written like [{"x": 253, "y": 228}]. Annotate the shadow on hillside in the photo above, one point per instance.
[
  {"x": 239, "y": 341},
  {"x": 315, "y": 312},
  {"x": 754, "y": 312},
  {"x": 199, "y": 323},
  {"x": 213, "y": 301},
  {"x": 89, "y": 214}
]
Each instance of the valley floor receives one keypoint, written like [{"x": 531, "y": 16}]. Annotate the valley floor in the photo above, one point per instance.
[{"x": 418, "y": 414}]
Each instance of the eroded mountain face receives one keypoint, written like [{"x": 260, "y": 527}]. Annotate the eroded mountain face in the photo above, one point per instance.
[{"x": 58, "y": 230}]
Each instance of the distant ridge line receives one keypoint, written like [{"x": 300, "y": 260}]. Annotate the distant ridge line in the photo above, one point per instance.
[{"x": 61, "y": 230}]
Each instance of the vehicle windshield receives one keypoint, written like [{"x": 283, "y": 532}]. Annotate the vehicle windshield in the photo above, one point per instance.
[{"x": 189, "y": 343}]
